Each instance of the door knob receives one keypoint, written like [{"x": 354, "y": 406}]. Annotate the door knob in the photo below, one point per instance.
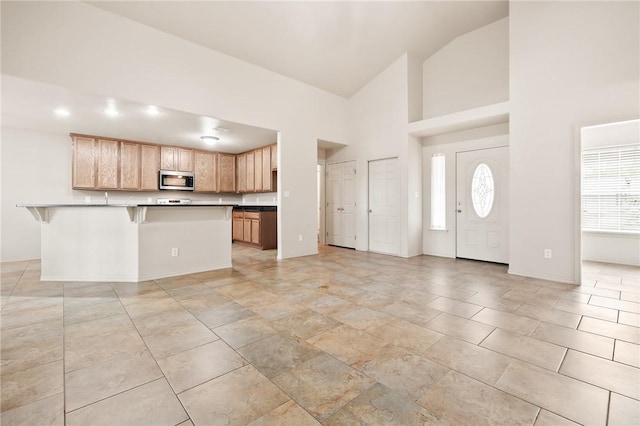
[
  {"x": 370, "y": 211},
  {"x": 459, "y": 211}
]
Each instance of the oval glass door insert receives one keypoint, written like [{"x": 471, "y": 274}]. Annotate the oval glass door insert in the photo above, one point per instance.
[{"x": 482, "y": 190}]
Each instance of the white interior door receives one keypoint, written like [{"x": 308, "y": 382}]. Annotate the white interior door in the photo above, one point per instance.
[
  {"x": 341, "y": 204},
  {"x": 384, "y": 206},
  {"x": 482, "y": 226}
]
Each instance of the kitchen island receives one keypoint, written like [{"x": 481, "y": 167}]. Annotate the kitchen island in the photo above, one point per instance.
[{"x": 131, "y": 243}]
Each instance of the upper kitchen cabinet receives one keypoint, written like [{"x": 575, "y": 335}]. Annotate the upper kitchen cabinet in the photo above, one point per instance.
[
  {"x": 268, "y": 172},
  {"x": 174, "y": 158},
  {"x": 149, "y": 167},
  {"x": 130, "y": 166},
  {"x": 251, "y": 164},
  {"x": 274, "y": 156},
  {"x": 205, "y": 171},
  {"x": 258, "y": 170},
  {"x": 107, "y": 163},
  {"x": 226, "y": 173},
  {"x": 83, "y": 170},
  {"x": 241, "y": 173}
]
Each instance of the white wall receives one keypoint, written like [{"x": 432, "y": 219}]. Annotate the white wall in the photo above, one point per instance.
[
  {"x": 571, "y": 64},
  {"x": 80, "y": 47},
  {"x": 609, "y": 246},
  {"x": 469, "y": 72},
  {"x": 378, "y": 117},
  {"x": 439, "y": 242}
]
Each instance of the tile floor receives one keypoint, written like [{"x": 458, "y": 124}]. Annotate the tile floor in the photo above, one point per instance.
[{"x": 340, "y": 338}]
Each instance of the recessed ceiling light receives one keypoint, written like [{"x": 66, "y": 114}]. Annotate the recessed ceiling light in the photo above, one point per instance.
[
  {"x": 209, "y": 140},
  {"x": 62, "y": 112},
  {"x": 111, "y": 112},
  {"x": 152, "y": 110},
  {"x": 220, "y": 129}
]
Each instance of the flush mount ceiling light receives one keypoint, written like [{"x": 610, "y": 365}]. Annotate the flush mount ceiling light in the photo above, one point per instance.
[
  {"x": 152, "y": 110},
  {"x": 62, "y": 112},
  {"x": 209, "y": 140},
  {"x": 111, "y": 110}
]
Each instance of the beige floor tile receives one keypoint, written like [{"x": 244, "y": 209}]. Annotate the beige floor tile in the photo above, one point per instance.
[
  {"x": 482, "y": 364},
  {"x": 240, "y": 333},
  {"x": 288, "y": 413},
  {"x": 631, "y": 296},
  {"x": 409, "y": 374},
  {"x": 196, "y": 366},
  {"x": 565, "y": 396},
  {"x": 407, "y": 335},
  {"x": 322, "y": 385},
  {"x": 361, "y": 318},
  {"x": 12, "y": 318},
  {"x": 179, "y": 337},
  {"x": 327, "y": 304},
  {"x": 26, "y": 386},
  {"x": 411, "y": 311},
  {"x": 152, "y": 404},
  {"x": 278, "y": 309},
  {"x": 575, "y": 339},
  {"x": 505, "y": 320},
  {"x": 81, "y": 353},
  {"x": 104, "y": 325},
  {"x": 225, "y": 400},
  {"x": 537, "y": 352},
  {"x": 380, "y": 405},
  {"x": 587, "y": 310},
  {"x": 306, "y": 324},
  {"x": 547, "y": 418},
  {"x": 154, "y": 306},
  {"x": 627, "y": 353},
  {"x": 611, "y": 329},
  {"x": 620, "y": 378},
  {"x": 152, "y": 324},
  {"x": 530, "y": 297},
  {"x": 30, "y": 346},
  {"x": 278, "y": 353},
  {"x": 186, "y": 423},
  {"x": 494, "y": 301},
  {"x": 622, "y": 305},
  {"x": 623, "y": 411},
  {"x": 628, "y": 318},
  {"x": 47, "y": 411},
  {"x": 222, "y": 314},
  {"x": 99, "y": 381},
  {"x": 454, "y": 307},
  {"x": 346, "y": 343},
  {"x": 463, "y": 401},
  {"x": 92, "y": 312},
  {"x": 552, "y": 316},
  {"x": 467, "y": 330}
]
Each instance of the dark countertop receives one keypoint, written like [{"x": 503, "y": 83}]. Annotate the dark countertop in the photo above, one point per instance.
[
  {"x": 250, "y": 208},
  {"x": 128, "y": 205}
]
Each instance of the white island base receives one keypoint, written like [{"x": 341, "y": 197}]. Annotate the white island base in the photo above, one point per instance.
[{"x": 122, "y": 243}]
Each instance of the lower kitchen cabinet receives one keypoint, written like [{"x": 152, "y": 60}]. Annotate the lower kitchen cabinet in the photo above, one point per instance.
[{"x": 257, "y": 228}]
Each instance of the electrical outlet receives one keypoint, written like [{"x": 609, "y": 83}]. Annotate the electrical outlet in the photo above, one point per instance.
[
  {"x": 547, "y": 253},
  {"x": 175, "y": 252}
]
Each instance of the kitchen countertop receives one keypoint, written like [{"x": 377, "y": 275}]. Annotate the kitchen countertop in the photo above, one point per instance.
[{"x": 127, "y": 205}]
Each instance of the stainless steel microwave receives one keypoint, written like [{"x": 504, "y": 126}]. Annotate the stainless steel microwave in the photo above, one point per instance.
[{"x": 176, "y": 181}]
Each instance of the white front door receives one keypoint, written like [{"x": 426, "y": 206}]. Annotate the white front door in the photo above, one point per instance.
[
  {"x": 341, "y": 204},
  {"x": 384, "y": 206},
  {"x": 482, "y": 226}
]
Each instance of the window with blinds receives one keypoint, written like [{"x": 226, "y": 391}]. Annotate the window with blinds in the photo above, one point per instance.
[{"x": 611, "y": 189}]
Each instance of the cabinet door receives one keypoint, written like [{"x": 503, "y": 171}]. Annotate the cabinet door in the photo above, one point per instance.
[
  {"x": 83, "y": 172},
  {"x": 246, "y": 230},
  {"x": 168, "y": 158},
  {"x": 266, "y": 169},
  {"x": 129, "y": 166},
  {"x": 258, "y": 170},
  {"x": 226, "y": 173},
  {"x": 205, "y": 172},
  {"x": 255, "y": 231},
  {"x": 149, "y": 167},
  {"x": 251, "y": 183},
  {"x": 241, "y": 173},
  {"x": 185, "y": 160},
  {"x": 238, "y": 228},
  {"x": 107, "y": 164},
  {"x": 274, "y": 156}
]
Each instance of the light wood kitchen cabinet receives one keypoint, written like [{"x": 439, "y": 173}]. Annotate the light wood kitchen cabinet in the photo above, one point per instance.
[
  {"x": 107, "y": 164},
  {"x": 149, "y": 167},
  {"x": 251, "y": 182},
  {"x": 274, "y": 156},
  {"x": 257, "y": 228},
  {"x": 83, "y": 171},
  {"x": 205, "y": 171},
  {"x": 226, "y": 172},
  {"x": 258, "y": 170},
  {"x": 175, "y": 158},
  {"x": 129, "y": 166},
  {"x": 268, "y": 175},
  {"x": 241, "y": 173}
]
